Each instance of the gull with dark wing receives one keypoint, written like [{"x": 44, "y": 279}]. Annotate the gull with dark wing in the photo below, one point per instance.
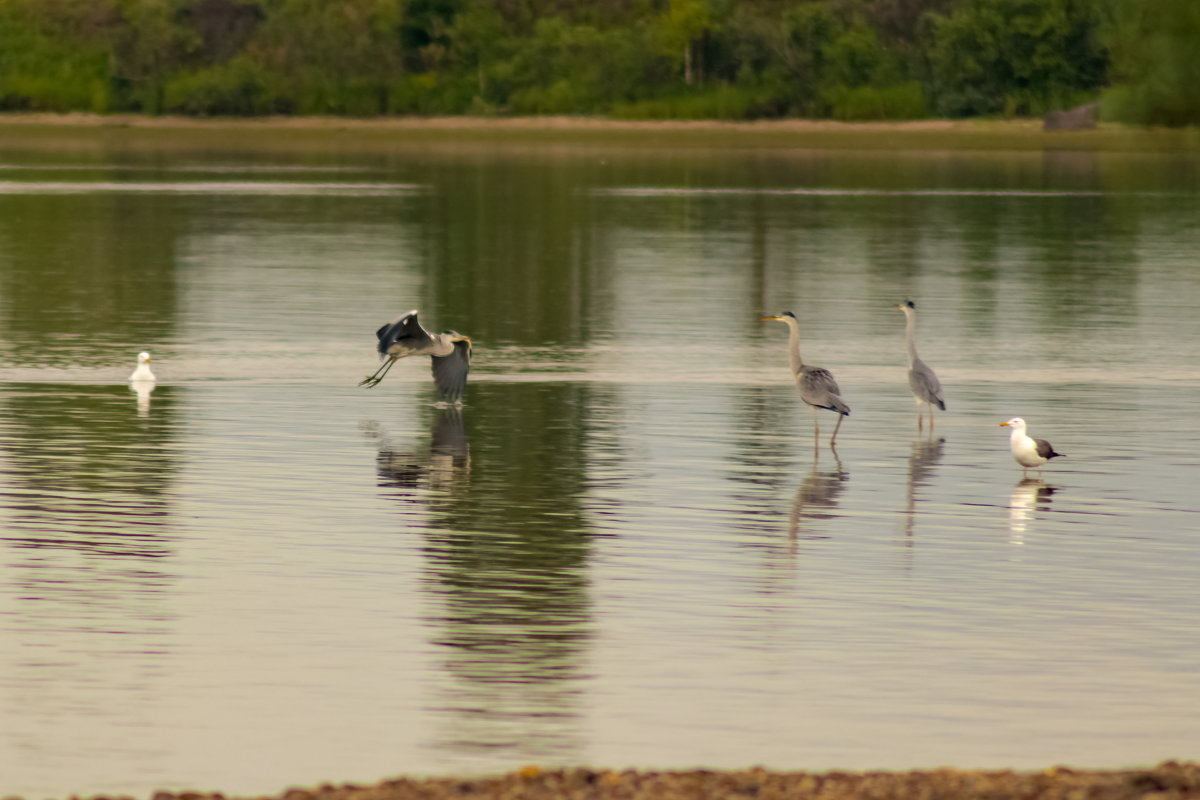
[
  {"x": 817, "y": 387},
  {"x": 926, "y": 387},
  {"x": 450, "y": 352},
  {"x": 1028, "y": 452}
]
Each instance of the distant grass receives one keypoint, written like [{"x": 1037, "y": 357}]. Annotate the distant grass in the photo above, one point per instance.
[{"x": 39, "y": 132}]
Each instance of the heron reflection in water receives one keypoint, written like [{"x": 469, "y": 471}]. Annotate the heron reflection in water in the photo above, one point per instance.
[
  {"x": 817, "y": 387},
  {"x": 926, "y": 453},
  {"x": 816, "y": 497},
  {"x": 450, "y": 354},
  {"x": 447, "y": 460},
  {"x": 1028, "y": 496}
]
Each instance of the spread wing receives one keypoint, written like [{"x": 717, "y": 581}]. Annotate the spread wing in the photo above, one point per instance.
[
  {"x": 925, "y": 385},
  {"x": 818, "y": 388},
  {"x": 450, "y": 372},
  {"x": 403, "y": 336}
]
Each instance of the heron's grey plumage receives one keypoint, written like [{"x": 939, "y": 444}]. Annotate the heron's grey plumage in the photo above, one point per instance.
[
  {"x": 450, "y": 353},
  {"x": 450, "y": 372},
  {"x": 925, "y": 386},
  {"x": 818, "y": 389}
]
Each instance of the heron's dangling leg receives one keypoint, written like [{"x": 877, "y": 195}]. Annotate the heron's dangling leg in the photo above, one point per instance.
[
  {"x": 835, "y": 429},
  {"x": 371, "y": 380}
]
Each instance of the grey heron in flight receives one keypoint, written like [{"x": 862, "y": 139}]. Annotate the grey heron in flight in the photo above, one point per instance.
[
  {"x": 450, "y": 351},
  {"x": 817, "y": 387},
  {"x": 926, "y": 387},
  {"x": 1028, "y": 452}
]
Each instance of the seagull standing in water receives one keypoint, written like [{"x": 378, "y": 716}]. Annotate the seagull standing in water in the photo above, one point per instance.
[
  {"x": 817, "y": 387},
  {"x": 926, "y": 387},
  {"x": 1028, "y": 452},
  {"x": 450, "y": 352},
  {"x": 142, "y": 373}
]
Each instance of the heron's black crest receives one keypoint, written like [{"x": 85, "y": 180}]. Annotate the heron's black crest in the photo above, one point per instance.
[
  {"x": 788, "y": 314},
  {"x": 911, "y": 304}
]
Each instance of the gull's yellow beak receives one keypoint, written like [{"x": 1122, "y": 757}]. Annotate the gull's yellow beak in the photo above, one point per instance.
[{"x": 1003, "y": 424}]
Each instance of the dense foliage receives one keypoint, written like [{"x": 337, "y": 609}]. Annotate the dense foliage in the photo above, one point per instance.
[{"x": 723, "y": 59}]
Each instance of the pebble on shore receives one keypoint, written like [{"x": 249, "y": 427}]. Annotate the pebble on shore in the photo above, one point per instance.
[{"x": 1166, "y": 781}]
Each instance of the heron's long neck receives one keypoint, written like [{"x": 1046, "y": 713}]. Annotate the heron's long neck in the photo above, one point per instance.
[
  {"x": 443, "y": 345},
  {"x": 910, "y": 333},
  {"x": 794, "y": 347}
]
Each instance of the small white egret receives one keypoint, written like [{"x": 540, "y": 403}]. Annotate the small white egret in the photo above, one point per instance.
[
  {"x": 1028, "y": 452},
  {"x": 142, "y": 373}
]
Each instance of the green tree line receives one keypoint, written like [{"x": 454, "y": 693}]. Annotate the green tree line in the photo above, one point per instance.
[{"x": 677, "y": 59}]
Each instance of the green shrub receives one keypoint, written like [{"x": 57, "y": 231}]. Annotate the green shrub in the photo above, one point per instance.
[
  {"x": 902, "y": 101},
  {"x": 236, "y": 88},
  {"x": 723, "y": 103}
]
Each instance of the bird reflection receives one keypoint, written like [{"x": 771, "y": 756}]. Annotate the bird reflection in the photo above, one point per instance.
[
  {"x": 926, "y": 453},
  {"x": 504, "y": 565},
  {"x": 143, "y": 390},
  {"x": 447, "y": 459},
  {"x": 1028, "y": 496},
  {"x": 817, "y": 494}
]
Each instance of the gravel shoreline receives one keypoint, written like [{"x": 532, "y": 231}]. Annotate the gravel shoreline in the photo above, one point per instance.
[{"x": 1170, "y": 779}]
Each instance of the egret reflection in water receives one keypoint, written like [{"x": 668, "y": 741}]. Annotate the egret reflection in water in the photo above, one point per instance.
[{"x": 1030, "y": 495}]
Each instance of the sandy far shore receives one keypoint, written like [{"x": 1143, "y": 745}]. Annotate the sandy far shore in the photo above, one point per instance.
[
  {"x": 1167, "y": 780},
  {"x": 548, "y": 123}
]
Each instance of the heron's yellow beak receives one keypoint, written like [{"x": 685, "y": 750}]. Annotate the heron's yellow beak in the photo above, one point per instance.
[{"x": 769, "y": 319}]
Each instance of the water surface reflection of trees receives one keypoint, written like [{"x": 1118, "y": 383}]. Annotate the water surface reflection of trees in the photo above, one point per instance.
[
  {"x": 86, "y": 275},
  {"x": 85, "y": 488},
  {"x": 505, "y": 559}
]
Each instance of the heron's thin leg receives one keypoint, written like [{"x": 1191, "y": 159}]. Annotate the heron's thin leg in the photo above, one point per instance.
[
  {"x": 931, "y": 417},
  {"x": 371, "y": 380},
  {"x": 835, "y": 429}
]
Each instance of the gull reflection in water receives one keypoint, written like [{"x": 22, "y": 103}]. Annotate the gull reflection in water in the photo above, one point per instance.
[
  {"x": 1028, "y": 496},
  {"x": 447, "y": 459},
  {"x": 926, "y": 453},
  {"x": 817, "y": 495},
  {"x": 143, "y": 390}
]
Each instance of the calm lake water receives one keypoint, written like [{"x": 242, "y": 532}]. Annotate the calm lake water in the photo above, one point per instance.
[{"x": 626, "y": 548}]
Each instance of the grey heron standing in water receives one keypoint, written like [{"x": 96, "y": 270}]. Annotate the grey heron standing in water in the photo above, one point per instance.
[
  {"x": 926, "y": 387},
  {"x": 817, "y": 387},
  {"x": 450, "y": 351}
]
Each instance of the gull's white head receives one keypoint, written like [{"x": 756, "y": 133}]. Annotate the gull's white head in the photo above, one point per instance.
[
  {"x": 1016, "y": 423},
  {"x": 143, "y": 357}
]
